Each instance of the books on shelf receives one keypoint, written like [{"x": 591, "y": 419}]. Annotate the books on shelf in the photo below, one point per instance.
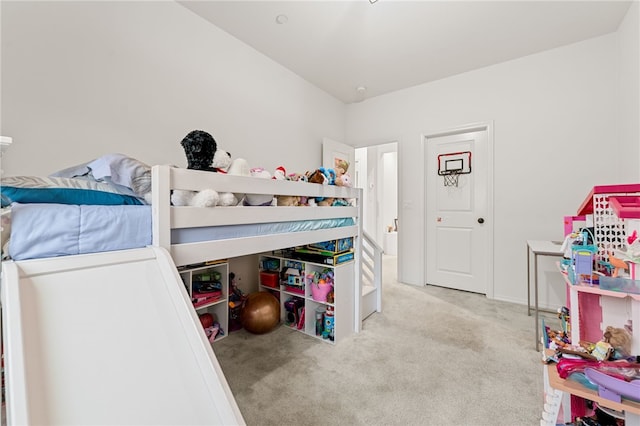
[
  {"x": 202, "y": 298},
  {"x": 206, "y": 286},
  {"x": 205, "y": 301},
  {"x": 203, "y": 294},
  {"x": 315, "y": 256}
]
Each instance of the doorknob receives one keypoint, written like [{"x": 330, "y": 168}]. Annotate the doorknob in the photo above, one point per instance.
[{"x": 480, "y": 220}]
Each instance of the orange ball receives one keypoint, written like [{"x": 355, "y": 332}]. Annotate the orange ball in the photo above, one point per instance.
[{"x": 261, "y": 312}]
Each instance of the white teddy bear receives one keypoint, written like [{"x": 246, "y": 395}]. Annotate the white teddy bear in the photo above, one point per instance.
[
  {"x": 259, "y": 199},
  {"x": 223, "y": 163},
  {"x": 204, "y": 198}
]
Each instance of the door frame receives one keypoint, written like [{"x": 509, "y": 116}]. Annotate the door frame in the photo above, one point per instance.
[{"x": 481, "y": 126}]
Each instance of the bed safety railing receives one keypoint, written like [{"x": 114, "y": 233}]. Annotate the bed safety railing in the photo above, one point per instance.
[{"x": 371, "y": 276}]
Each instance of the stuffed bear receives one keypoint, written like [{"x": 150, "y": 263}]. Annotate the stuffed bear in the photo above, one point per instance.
[
  {"x": 297, "y": 177},
  {"x": 259, "y": 199},
  {"x": 222, "y": 163},
  {"x": 323, "y": 176},
  {"x": 199, "y": 147},
  {"x": 317, "y": 176},
  {"x": 204, "y": 198},
  {"x": 287, "y": 200},
  {"x": 325, "y": 202}
]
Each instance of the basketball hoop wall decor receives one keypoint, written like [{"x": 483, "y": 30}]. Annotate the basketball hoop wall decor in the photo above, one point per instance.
[{"x": 452, "y": 165}]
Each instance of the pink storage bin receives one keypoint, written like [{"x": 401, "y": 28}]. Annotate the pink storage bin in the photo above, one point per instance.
[{"x": 319, "y": 292}]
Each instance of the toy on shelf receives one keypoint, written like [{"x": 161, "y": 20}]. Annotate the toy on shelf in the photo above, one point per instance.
[
  {"x": 617, "y": 266},
  {"x": 236, "y": 302},
  {"x": 583, "y": 257},
  {"x": 329, "y": 323},
  {"x": 613, "y": 388},
  {"x": 615, "y": 345},
  {"x": 321, "y": 284},
  {"x": 620, "y": 340},
  {"x": 565, "y": 319},
  {"x": 206, "y": 288},
  {"x": 294, "y": 312},
  {"x": 292, "y": 276},
  {"x": 320, "y": 311},
  {"x": 211, "y": 327}
]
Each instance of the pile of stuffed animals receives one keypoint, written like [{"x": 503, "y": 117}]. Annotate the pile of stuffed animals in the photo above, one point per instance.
[{"x": 203, "y": 154}]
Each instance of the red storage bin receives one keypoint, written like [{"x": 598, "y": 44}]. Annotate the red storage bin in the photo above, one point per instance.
[{"x": 269, "y": 278}]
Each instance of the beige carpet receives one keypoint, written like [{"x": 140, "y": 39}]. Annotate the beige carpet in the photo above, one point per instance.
[{"x": 433, "y": 357}]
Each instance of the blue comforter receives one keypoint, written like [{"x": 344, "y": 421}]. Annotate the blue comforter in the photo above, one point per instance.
[{"x": 49, "y": 230}]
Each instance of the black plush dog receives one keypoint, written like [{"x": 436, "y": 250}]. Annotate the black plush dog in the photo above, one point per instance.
[{"x": 199, "y": 147}]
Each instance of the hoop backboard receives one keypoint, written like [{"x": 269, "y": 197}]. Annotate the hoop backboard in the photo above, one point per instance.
[{"x": 454, "y": 163}]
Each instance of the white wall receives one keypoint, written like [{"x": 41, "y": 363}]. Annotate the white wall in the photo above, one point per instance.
[
  {"x": 555, "y": 129},
  {"x": 80, "y": 79}
]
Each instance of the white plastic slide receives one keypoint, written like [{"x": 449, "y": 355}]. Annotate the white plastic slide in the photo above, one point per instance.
[{"x": 108, "y": 338}]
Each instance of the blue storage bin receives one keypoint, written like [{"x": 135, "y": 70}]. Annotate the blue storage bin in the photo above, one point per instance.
[{"x": 625, "y": 285}]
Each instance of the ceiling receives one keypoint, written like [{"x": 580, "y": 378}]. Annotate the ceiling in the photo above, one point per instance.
[{"x": 389, "y": 45}]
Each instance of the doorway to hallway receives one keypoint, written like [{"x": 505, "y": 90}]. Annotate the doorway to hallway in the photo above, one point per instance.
[{"x": 376, "y": 172}]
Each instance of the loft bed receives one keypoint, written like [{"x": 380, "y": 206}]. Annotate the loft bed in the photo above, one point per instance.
[
  {"x": 45, "y": 294},
  {"x": 61, "y": 216},
  {"x": 193, "y": 235},
  {"x": 53, "y": 217},
  {"x": 255, "y": 231}
]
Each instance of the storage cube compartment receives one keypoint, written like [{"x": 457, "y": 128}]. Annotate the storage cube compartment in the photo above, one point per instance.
[
  {"x": 320, "y": 282},
  {"x": 269, "y": 279},
  {"x": 293, "y": 312}
]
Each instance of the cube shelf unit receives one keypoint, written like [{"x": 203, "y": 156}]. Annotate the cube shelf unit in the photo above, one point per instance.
[
  {"x": 219, "y": 307},
  {"x": 344, "y": 294}
]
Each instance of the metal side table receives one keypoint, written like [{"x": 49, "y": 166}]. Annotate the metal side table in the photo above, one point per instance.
[{"x": 535, "y": 249}]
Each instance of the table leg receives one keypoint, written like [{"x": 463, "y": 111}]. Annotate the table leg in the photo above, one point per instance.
[
  {"x": 528, "y": 281},
  {"x": 535, "y": 286}
]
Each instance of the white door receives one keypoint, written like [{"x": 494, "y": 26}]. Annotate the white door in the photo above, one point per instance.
[{"x": 459, "y": 251}]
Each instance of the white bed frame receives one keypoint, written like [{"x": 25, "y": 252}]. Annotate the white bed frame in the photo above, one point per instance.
[
  {"x": 42, "y": 308},
  {"x": 167, "y": 217}
]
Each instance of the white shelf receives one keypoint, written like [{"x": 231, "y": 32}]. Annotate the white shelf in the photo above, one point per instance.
[
  {"x": 344, "y": 295},
  {"x": 219, "y": 308}
]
